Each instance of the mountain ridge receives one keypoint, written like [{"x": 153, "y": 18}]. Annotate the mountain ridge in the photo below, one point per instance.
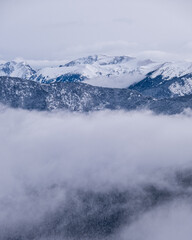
[
  {"x": 90, "y": 68},
  {"x": 156, "y": 80},
  {"x": 82, "y": 97}
]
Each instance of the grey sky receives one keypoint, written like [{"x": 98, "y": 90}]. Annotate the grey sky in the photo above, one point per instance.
[{"x": 63, "y": 29}]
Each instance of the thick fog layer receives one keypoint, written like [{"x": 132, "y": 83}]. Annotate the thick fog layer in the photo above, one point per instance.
[{"x": 54, "y": 165}]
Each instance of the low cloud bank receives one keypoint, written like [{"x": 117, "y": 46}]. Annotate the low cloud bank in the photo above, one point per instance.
[{"x": 49, "y": 159}]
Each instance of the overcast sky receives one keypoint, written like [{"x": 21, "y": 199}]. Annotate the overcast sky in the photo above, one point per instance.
[{"x": 64, "y": 29}]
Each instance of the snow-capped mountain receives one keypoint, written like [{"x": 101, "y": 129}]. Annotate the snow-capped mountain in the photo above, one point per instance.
[
  {"x": 153, "y": 79},
  {"x": 169, "y": 80},
  {"x": 16, "y": 69},
  {"x": 171, "y": 70},
  {"x": 100, "y": 59},
  {"x": 98, "y": 70}
]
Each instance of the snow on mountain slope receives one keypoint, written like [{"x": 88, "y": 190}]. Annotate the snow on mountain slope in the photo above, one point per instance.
[
  {"x": 181, "y": 88},
  {"x": 81, "y": 97},
  {"x": 169, "y": 80},
  {"x": 105, "y": 71},
  {"x": 100, "y": 59},
  {"x": 16, "y": 69},
  {"x": 156, "y": 79},
  {"x": 170, "y": 70},
  {"x": 179, "y": 74},
  {"x": 122, "y": 75}
]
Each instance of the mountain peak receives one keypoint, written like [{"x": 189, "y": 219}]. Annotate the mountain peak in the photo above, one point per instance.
[
  {"x": 16, "y": 69},
  {"x": 169, "y": 70},
  {"x": 99, "y": 59}
]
